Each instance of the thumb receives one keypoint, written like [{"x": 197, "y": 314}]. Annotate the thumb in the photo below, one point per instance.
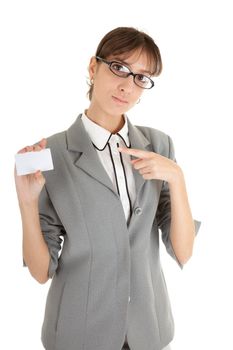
[{"x": 39, "y": 177}]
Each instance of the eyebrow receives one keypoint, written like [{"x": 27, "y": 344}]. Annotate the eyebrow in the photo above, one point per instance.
[{"x": 127, "y": 64}]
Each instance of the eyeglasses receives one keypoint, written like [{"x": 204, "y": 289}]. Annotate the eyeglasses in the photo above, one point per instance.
[{"x": 123, "y": 71}]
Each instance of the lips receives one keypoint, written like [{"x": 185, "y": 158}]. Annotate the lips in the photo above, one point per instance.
[{"x": 117, "y": 99}]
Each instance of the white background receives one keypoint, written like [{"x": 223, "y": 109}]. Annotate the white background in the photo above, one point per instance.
[{"x": 45, "y": 51}]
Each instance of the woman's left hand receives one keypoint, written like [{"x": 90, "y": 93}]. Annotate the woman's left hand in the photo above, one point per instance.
[{"x": 152, "y": 165}]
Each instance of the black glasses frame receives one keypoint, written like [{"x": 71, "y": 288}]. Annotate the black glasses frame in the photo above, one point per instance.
[{"x": 110, "y": 63}]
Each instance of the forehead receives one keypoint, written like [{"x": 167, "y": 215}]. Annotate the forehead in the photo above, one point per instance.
[{"x": 138, "y": 61}]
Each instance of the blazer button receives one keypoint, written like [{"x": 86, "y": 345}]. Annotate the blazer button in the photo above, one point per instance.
[{"x": 137, "y": 211}]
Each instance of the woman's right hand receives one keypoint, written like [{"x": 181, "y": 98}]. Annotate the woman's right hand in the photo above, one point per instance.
[{"x": 28, "y": 187}]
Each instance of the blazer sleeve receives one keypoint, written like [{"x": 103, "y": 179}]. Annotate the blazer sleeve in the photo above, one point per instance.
[
  {"x": 163, "y": 214},
  {"x": 52, "y": 230}
]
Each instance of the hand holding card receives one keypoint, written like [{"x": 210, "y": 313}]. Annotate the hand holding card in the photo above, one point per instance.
[{"x": 30, "y": 161}]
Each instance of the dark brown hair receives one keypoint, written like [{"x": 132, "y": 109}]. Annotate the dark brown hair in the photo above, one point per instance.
[{"x": 124, "y": 41}]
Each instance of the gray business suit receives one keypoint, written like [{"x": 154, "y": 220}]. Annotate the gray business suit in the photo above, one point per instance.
[{"x": 108, "y": 281}]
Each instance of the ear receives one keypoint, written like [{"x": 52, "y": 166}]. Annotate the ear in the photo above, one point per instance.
[{"x": 92, "y": 67}]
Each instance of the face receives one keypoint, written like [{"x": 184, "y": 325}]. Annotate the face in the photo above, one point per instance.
[{"x": 114, "y": 95}]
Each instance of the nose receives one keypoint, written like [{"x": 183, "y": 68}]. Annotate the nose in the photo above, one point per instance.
[{"x": 127, "y": 84}]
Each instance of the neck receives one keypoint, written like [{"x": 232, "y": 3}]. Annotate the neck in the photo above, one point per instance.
[{"x": 109, "y": 122}]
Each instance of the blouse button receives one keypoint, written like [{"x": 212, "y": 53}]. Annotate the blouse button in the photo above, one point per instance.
[{"x": 137, "y": 211}]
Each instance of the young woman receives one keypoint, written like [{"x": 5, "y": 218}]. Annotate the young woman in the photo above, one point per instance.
[{"x": 92, "y": 224}]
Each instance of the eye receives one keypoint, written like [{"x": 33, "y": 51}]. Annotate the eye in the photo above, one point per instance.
[
  {"x": 142, "y": 78},
  {"x": 119, "y": 68}
]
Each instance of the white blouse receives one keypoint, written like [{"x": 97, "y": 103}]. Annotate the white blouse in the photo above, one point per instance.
[{"x": 116, "y": 164}]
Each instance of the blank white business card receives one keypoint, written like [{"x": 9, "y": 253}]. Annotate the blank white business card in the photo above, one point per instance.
[{"x": 30, "y": 162}]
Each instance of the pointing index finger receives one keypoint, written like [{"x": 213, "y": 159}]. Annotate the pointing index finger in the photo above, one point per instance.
[{"x": 134, "y": 152}]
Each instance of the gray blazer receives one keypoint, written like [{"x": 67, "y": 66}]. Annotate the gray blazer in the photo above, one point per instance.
[{"x": 107, "y": 281}]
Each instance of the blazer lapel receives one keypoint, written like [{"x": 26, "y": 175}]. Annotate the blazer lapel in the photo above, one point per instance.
[
  {"x": 79, "y": 141},
  {"x": 138, "y": 141}
]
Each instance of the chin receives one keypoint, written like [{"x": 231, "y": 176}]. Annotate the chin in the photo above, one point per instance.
[{"x": 115, "y": 110}]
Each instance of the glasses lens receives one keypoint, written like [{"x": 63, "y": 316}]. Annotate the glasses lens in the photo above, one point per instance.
[
  {"x": 143, "y": 81},
  {"x": 119, "y": 69},
  {"x": 123, "y": 71}
]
